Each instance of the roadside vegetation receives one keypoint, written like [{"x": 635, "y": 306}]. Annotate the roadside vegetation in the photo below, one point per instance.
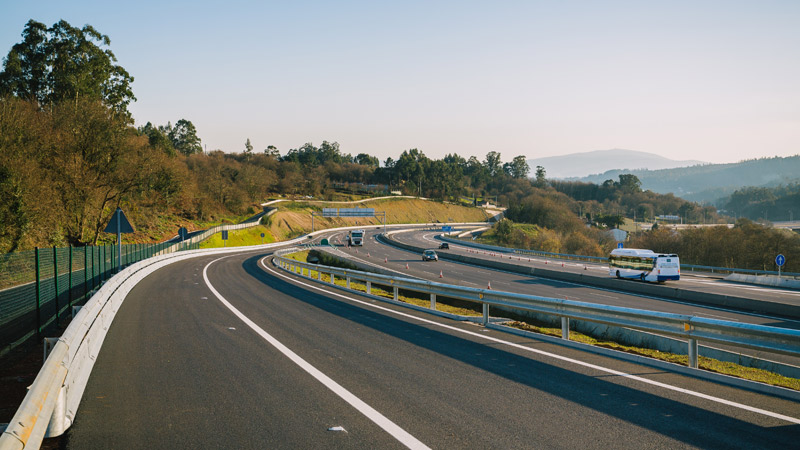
[
  {"x": 239, "y": 238},
  {"x": 709, "y": 364},
  {"x": 463, "y": 308},
  {"x": 71, "y": 155},
  {"x": 443, "y": 304},
  {"x": 747, "y": 245}
]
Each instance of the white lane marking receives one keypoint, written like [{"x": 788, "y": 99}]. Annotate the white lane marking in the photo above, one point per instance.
[
  {"x": 390, "y": 427},
  {"x": 660, "y": 299},
  {"x": 548, "y": 354}
]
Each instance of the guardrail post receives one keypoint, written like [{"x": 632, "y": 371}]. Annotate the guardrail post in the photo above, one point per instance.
[
  {"x": 693, "y": 353},
  {"x": 369, "y": 287},
  {"x": 348, "y": 282},
  {"x": 49, "y": 343},
  {"x": 565, "y": 328},
  {"x": 332, "y": 279},
  {"x": 319, "y": 274},
  {"x": 485, "y": 314},
  {"x": 396, "y": 293},
  {"x": 433, "y": 301}
]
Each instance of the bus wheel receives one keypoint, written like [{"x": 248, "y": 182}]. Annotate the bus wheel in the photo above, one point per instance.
[
  {"x": 618, "y": 276},
  {"x": 641, "y": 277}
]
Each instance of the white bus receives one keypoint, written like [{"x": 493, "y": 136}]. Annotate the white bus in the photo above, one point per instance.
[
  {"x": 356, "y": 237},
  {"x": 644, "y": 265}
]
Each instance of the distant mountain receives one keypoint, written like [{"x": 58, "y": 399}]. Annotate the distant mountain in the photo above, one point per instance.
[
  {"x": 599, "y": 161},
  {"x": 710, "y": 182}
]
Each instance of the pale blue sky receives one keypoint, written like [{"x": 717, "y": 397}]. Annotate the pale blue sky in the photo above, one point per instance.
[{"x": 708, "y": 80}]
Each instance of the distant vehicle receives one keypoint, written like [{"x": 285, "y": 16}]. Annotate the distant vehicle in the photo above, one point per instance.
[
  {"x": 430, "y": 255},
  {"x": 644, "y": 265},
  {"x": 444, "y": 245},
  {"x": 356, "y": 238}
]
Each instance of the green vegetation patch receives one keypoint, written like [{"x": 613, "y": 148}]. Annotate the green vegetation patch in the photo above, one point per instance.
[
  {"x": 240, "y": 238},
  {"x": 710, "y": 364},
  {"x": 452, "y": 306}
]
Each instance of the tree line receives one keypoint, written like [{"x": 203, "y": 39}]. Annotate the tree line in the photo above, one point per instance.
[{"x": 71, "y": 154}]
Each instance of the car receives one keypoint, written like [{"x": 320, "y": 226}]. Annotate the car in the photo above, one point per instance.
[
  {"x": 444, "y": 245},
  {"x": 430, "y": 255}
]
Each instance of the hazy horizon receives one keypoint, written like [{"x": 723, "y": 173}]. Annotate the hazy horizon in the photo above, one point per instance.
[{"x": 704, "y": 80}]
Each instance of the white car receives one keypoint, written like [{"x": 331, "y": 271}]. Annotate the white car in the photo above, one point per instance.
[{"x": 430, "y": 255}]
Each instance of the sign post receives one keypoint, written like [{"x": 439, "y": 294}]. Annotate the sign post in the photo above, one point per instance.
[
  {"x": 119, "y": 224},
  {"x": 780, "y": 260},
  {"x": 224, "y": 237}
]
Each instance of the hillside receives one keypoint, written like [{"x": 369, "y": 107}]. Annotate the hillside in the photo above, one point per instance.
[
  {"x": 587, "y": 163},
  {"x": 294, "y": 218},
  {"x": 709, "y": 182}
]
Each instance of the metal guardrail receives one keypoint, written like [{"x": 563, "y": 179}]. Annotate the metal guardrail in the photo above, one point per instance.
[
  {"x": 690, "y": 267},
  {"x": 692, "y": 328}
]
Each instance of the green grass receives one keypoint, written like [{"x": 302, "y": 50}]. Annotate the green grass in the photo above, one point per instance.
[
  {"x": 240, "y": 238},
  {"x": 386, "y": 292},
  {"x": 709, "y": 364}
]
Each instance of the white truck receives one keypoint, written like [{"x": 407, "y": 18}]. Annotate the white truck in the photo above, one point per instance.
[{"x": 355, "y": 238}]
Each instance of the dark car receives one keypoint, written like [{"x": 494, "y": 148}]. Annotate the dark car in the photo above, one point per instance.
[
  {"x": 444, "y": 245},
  {"x": 430, "y": 255}
]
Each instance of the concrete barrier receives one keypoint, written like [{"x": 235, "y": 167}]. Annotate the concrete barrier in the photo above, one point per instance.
[{"x": 787, "y": 283}]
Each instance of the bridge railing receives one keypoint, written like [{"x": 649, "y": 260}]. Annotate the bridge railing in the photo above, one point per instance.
[{"x": 691, "y": 328}]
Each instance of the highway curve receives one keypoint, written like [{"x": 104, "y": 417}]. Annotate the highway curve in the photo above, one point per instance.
[
  {"x": 222, "y": 352},
  {"x": 406, "y": 263}
]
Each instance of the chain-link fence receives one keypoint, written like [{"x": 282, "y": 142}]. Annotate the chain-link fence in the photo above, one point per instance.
[{"x": 39, "y": 287}]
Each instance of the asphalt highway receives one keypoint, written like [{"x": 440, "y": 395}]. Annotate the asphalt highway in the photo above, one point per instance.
[
  {"x": 227, "y": 352},
  {"x": 696, "y": 281},
  {"x": 385, "y": 256}
]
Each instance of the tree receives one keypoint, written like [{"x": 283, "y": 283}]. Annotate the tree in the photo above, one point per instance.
[
  {"x": 610, "y": 220},
  {"x": 248, "y": 147},
  {"x": 158, "y": 137},
  {"x": 493, "y": 163},
  {"x": 519, "y": 168},
  {"x": 272, "y": 152},
  {"x": 630, "y": 183},
  {"x": 367, "y": 160},
  {"x": 184, "y": 137},
  {"x": 65, "y": 63},
  {"x": 540, "y": 176}
]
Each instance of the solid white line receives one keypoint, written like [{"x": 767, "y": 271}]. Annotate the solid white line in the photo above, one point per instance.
[
  {"x": 390, "y": 427},
  {"x": 660, "y": 299},
  {"x": 548, "y": 354}
]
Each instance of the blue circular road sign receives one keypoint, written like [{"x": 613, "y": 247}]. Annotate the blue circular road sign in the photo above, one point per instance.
[{"x": 780, "y": 260}]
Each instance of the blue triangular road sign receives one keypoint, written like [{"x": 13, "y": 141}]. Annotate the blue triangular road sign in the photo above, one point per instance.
[{"x": 119, "y": 218}]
